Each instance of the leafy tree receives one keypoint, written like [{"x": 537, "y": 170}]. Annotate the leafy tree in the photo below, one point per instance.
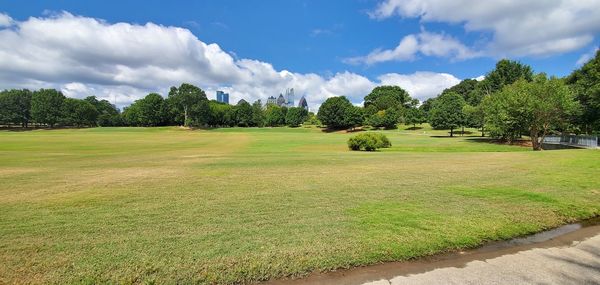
[
  {"x": 385, "y": 118},
  {"x": 585, "y": 82},
  {"x": 148, "y": 111},
  {"x": 334, "y": 113},
  {"x": 243, "y": 114},
  {"x": 274, "y": 116},
  {"x": 537, "y": 107},
  {"x": 446, "y": 112},
  {"x": 295, "y": 116},
  {"x": 108, "y": 114},
  {"x": 258, "y": 114},
  {"x": 426, "y": 107},
  {"x": 312, "y": 120},
  {"x": 354, "y": 117},
  {"x": 186, "y": 102},
  {"x": 414, "y": 116},
  {"x": 46, "y": 106},
  {"x": 78, "y": 113},
  {"x": 15, "y": 107},
  {"x": 219, "y": 114},
  {"x": 475, "y": 117},
  {"x": 466, "y": 89},
  {"x": 385, "y": 97}
]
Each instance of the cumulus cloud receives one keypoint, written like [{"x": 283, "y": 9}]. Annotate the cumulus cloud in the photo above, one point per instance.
[
  {"x": 421, "y": 85},
  {"x": 5, "y": 20},
  {"x": 584, "y": 58},
  {"x": 122, "y": 62},
  {"x": 425, "y": 43},
  {"x": 521, "y": 28}
]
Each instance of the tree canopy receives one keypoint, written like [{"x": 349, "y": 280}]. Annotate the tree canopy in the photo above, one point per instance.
[{"x": 446, "y": 112}]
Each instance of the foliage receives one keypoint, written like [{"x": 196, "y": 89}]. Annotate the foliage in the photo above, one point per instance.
[
  {"x": 46, "y": 106},
  {"x": 149, "y": 111},
  {"x": 295, "y": 116},
  {"x": 466, "y": 89},
  {"x": 258, "y": 114},
  {"x": 274, "y": 116},
  {"x": 78, "y": 113},
  {"x": 386, "y": 97},
  {"x": 108, "y": 114},
  {"x": 244, "y": 114},
  {"x": 312, "y": 120},
  {"x": 368, "y": 142},
  {"x": 414, "y": 116},
  {"x": 339, "y": 113},
  {"x": 15, "y": 107},
  {"x": 585, "y": 82},
  {"x": 447, "y": 112},
  {"x": 535, "y": 107},
  {"x": 189, "y": 105},
  {"x": 385, "y": 118},
  {"x": 474, "y": 117}
]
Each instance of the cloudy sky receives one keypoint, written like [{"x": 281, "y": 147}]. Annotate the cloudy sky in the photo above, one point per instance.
[{"x": 122, "y": 50}]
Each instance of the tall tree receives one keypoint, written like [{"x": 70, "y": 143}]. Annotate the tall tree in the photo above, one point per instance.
[
  {"x": 108, "y": 114},
  {"x": 295, "y": 116},
  {"x": 15, "y": 107},
  {"x": 78, "y": 113},
  {"x": 243, "y": 114},
  {"x": 149, "y": 111},
  {"x": 386, "y": 97},
  {"x": 335, "y": 113},
  {"x": 185, "y": 100},
  {"x": 466, "y": 89},
  {"x": 258, "y": 114},
  {"x": 447, "y": 112},
  {"x": 414, "y": 116},
  {"x": 585, "y": 82},
  {"x": 537, "y": 107},
  {"x": 274, "y": 116},
  {"x": 46, "y": 106}
]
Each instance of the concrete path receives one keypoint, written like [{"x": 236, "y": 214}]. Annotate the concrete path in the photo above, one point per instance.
[{"x": 578, "y": 263}]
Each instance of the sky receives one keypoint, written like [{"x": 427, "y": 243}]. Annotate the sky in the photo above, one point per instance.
[{"x": 123, "y": 50}]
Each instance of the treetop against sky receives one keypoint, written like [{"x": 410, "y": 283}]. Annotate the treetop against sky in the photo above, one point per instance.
[{"x": 121, "y": 51}]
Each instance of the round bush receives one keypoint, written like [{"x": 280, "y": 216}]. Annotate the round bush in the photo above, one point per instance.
[{"x": 368, "y": 142}]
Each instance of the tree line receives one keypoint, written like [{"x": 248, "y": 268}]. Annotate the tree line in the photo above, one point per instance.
[
  {"x": 185, "y": 105},
  {"x": 510, "y": 102}
]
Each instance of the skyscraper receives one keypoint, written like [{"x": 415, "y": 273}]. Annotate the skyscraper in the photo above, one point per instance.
[
  {"x": 289, "y": 97},
  {"x": 303, "y": 104},
  {"x": 222, "y": 97}
]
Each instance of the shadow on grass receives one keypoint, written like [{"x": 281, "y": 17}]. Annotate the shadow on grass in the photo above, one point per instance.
[
  {"x": 523, "y": 143},
  {"x": 413, "y": 128},
  {"x": 355, "y": 130}
]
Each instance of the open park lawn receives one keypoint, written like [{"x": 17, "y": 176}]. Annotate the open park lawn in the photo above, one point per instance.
[{"x": 169, "y": 205}]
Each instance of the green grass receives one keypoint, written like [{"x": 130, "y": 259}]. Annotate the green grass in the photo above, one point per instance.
[{"x": 168, "y": 205}]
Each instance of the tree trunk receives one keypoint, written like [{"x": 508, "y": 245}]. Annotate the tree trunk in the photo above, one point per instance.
[
  {"x": 535, "y": 143},
  {"x": 451, "y": 132},
  {"x": 185, "y": 116},
  {"x": 463, "y": 131},
  {"x": 482, "y": 132}
]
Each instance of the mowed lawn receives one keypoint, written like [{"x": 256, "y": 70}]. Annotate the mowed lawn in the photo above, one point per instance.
[{"x": 168, "y": 205}]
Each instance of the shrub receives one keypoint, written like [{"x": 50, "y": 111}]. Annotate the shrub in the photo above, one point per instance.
[{"x": 368, "y": 142}]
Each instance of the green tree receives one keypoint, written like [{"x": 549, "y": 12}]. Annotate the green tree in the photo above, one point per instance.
[
  {"x": 78, "y": 113},
  {"x": 149, "y": 111},
  {"x": 354, "y": 117},
  {"x": 537, "y": 107},
  {"x": 46, "y": 106},
  {"x": 338, "y": 113},
  {"x": 446, "y": 112},
  {"x": 15, "y": 107},
  {"x": 384, "y": 119},
  {"x": 258, "y": 114},
  {"x": 295, "y": 116},
  {"x": 585, "y": 82},
  {"x": 466, "y": 89},
  {"x": 243, "y": 114},
  {"x": 108, "y": 114},
  {"x": 414, "y": 116},
  {"x": 385, "y": 97},
  {"x": 189, "y": 104},
  {"x": 274, "y": 116},
  {"x": 475, "y": 117}
]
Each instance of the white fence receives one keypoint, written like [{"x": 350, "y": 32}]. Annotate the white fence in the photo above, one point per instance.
[{"x": 572, "y": 140}]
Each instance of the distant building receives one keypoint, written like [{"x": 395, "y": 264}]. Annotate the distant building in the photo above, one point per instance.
[
  {"x": 280, "y": 100},
  {"x": 289, "y": 97},
  {"x": 271, "y": 100},
  {"x": 222, "y": 97},
  {"x": 242, "y": 101},
  {"x": 302, "y": 103}
]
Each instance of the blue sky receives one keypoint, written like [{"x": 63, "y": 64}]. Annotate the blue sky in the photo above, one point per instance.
[{"x": 341, "y": 42}]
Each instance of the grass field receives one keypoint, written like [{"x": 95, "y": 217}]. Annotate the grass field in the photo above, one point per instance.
[{"x": 168, "y": 205}]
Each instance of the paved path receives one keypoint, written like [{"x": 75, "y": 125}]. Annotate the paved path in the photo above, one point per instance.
[{"x": 578, "y": 263}]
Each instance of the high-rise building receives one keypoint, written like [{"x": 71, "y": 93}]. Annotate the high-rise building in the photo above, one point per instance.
[
  {"x": 281, "y": 100},
  {"x": 302, "y": 103},
  {"x": 222, "y": 97},
  {"x": 289, "y": 97}
]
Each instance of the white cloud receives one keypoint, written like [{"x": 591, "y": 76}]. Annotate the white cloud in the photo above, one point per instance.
[
  {"x": 123, "y": 62},
  {"x": 584, "y": 58},
  {"x": 535, "y": 27},
  {"x": 426, "y": 43},
  {"x": 5, "y": 20},
  {"x": 421, "y": 85}
]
